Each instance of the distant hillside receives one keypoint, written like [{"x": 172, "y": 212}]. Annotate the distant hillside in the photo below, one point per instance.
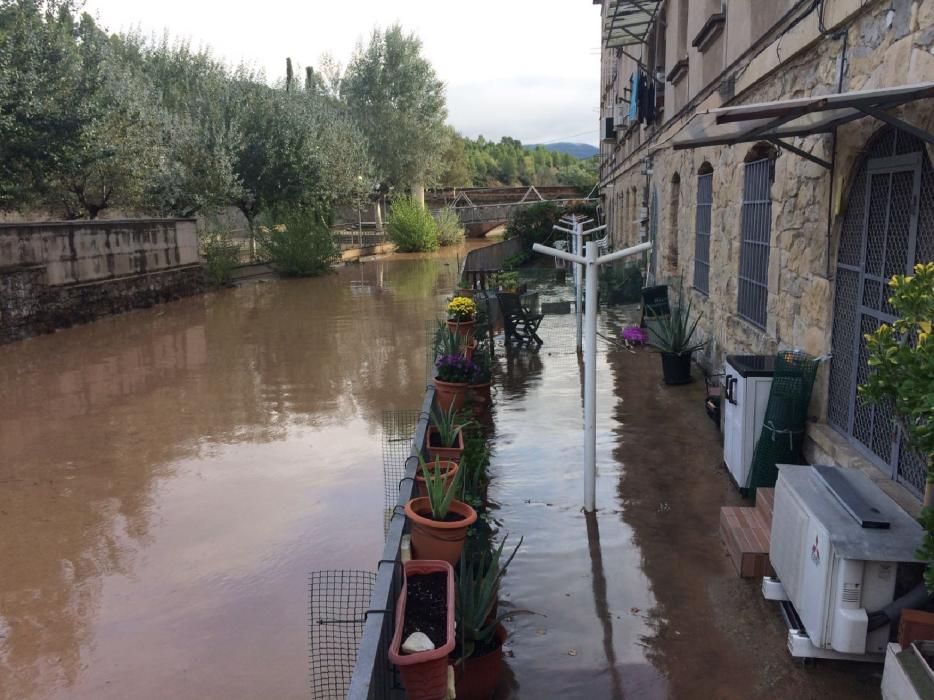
[{"x": 578, "y": 150}]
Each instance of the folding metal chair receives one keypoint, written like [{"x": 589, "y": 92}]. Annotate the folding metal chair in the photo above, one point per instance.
[{"x": 520, "y": 324}]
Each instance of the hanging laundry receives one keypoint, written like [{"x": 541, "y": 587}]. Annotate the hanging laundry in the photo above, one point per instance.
[
  {"x": 634, "y": 98},
  {"x": 650, "y": 114},
  {"x": 643, "y": 97}
]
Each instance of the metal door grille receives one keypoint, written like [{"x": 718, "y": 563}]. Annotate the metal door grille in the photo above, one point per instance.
[
  {"x": 755, "y": 239},
  {"x": 887, "y": 228},
  {"x": 653, "y": 237},
  {"x": 702, "y": 228}
]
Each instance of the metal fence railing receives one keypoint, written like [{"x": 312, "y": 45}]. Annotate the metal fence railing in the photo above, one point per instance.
[
  {"x": 374, "y": 678},
  {"x": 482, "y": 262}
]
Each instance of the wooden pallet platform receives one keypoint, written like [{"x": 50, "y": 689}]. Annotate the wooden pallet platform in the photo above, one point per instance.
[{"x": 745, "y": 531}]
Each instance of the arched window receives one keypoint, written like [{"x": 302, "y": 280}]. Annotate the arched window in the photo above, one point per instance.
[
  {"x": 755, "y": 234},
  {"x": 674, "y": 203},
  {"x": 702, "y": 229}
]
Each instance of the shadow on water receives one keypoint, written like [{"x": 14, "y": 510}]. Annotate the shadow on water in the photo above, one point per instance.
[
  {"x": 168, "y": 477},
  {"x": 600, "y": 601}
]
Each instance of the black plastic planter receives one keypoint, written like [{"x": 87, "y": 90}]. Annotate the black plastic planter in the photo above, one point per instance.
[{"x": 676, "y": 367}]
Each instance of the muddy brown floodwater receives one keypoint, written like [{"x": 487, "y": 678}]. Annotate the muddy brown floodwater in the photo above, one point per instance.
[
  {"x": 637, "y": 600},
  {"x": 169, "y": 478}
]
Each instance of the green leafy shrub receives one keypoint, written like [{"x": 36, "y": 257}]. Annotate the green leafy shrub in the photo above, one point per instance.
[
  {"x": 412, "y": 227},
  {"x": 533, "y": 224},
  {"x": 300, "y": 245},
  {"x": 221, "y": 255},
  {"x": 901, "y": 363},
  {"x": 450, "y": 231},
  {"x": 621, "y": 284}
]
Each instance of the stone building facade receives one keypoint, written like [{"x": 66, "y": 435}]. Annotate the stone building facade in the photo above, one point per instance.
[{"x": 708, "y": 54}]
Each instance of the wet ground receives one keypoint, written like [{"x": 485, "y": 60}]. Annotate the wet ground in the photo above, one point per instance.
[
  {"x": 169, "y": 477},
  {"x": 638, "y": 600}
]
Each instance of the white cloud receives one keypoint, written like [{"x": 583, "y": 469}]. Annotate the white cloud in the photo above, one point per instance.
[{"x": 522, "y": 68}]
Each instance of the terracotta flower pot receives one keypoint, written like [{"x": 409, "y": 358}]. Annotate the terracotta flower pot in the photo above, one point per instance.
[
  {"x": 462, "y": 328},
  {"x": 448, "y": 467},
  {"x": 435, "y": 539},
  {"x": 450, "y": 394},
  {"x": 450, "y": 454},
  {"x": 424, "y": 674},
  {"x": 476, "y": 678},
  {"x": 481, "y": 400}
]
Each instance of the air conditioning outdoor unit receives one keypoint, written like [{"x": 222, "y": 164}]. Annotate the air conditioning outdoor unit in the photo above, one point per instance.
[{"x": 842, "y": 551}]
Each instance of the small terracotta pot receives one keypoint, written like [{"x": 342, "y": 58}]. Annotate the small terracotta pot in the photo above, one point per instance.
[
  {"x": 450, "y": 454},
  {"x": 480, "y": 398},
  {"x": 450, "y": 471},
  {"x": 433, "y": 539},
  {"x": 425, "y": 674},
  {"x": 450, "y": 394},
  {"x": 462, "y": 328},
  {"x": 477, "y": 677}
]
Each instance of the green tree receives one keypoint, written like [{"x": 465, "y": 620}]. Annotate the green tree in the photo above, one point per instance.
[
  {"x": 456, "y": 168},
  {"x": 398, "y": 102}
]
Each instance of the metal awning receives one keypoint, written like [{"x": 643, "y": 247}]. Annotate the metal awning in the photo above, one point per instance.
[
  {"x": 628, "y": 21},
  {"x": 804, "y": 116}
]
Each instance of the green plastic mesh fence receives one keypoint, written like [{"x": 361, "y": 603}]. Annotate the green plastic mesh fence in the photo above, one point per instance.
[{"x": 782, "y": 437}]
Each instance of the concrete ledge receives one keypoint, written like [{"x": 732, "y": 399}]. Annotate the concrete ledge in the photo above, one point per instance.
[
  {"x": 352, "y": 254},
  {"x": 824, "y": 445}
]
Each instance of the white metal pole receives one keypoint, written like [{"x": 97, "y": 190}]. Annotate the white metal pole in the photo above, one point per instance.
[
  {"x": 578, "y": 269},
  {"x": 590, "y": 383}
]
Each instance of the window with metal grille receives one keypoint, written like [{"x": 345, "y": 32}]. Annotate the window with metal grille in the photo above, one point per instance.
[
  {"x": 755, "y": 238},
  {"x": 702, "y": 231}
]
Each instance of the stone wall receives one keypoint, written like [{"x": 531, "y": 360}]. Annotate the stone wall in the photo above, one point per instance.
[
  {"x": 56, "y": 274},
  {"x": 803, "y": 246}
]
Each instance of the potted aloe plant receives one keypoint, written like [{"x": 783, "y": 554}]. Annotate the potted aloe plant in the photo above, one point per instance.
[
  {"x": 445, "y": 437},
  {"x": 438, "y": 521},
  {"x": 478, "y": 655},
  {"x": 452, "y": 378},
  {"x": 673, "y": 335},
  {"x": 444, "y": 466},
  {"x": 461, "y": 312},
  {"x": 481, "y": 382},
  {"x": 424, "y": 631}
]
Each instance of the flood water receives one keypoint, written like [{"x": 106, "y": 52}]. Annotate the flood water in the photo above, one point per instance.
[{"x": 169, "y": 478}]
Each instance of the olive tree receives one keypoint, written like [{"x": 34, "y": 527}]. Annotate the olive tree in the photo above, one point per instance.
[{"x": 398, "y": 102}]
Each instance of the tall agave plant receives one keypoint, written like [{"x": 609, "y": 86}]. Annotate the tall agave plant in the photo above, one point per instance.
[{"x": 674, "y": 333}]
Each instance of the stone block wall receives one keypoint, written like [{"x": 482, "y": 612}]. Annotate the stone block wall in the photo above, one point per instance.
[{"x": 56, "y": 274}]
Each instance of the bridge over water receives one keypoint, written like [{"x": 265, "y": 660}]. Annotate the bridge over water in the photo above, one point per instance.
[{"x": 481, "y": 209}]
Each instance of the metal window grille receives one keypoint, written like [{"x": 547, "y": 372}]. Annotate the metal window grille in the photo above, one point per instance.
[
  {"x": 653, "y": 237},
  {"x": 887, "y": 228},
  {"x": 755, "y": 240},
  {"x": 702, "y": 233}
]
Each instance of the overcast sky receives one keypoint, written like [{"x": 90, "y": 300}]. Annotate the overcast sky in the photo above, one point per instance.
[{"x": 523, "y": 68}]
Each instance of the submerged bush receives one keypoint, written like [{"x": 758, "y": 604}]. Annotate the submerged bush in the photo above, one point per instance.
[
  {"x": 300, "y": 245},
  {"x": 412, "y": 227},
  {"x": 450, "y": 230},
  {"x": 221, "y": 255},
  {"x": 621, "y": 284},
  {"x": 533, "y": 224}
]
